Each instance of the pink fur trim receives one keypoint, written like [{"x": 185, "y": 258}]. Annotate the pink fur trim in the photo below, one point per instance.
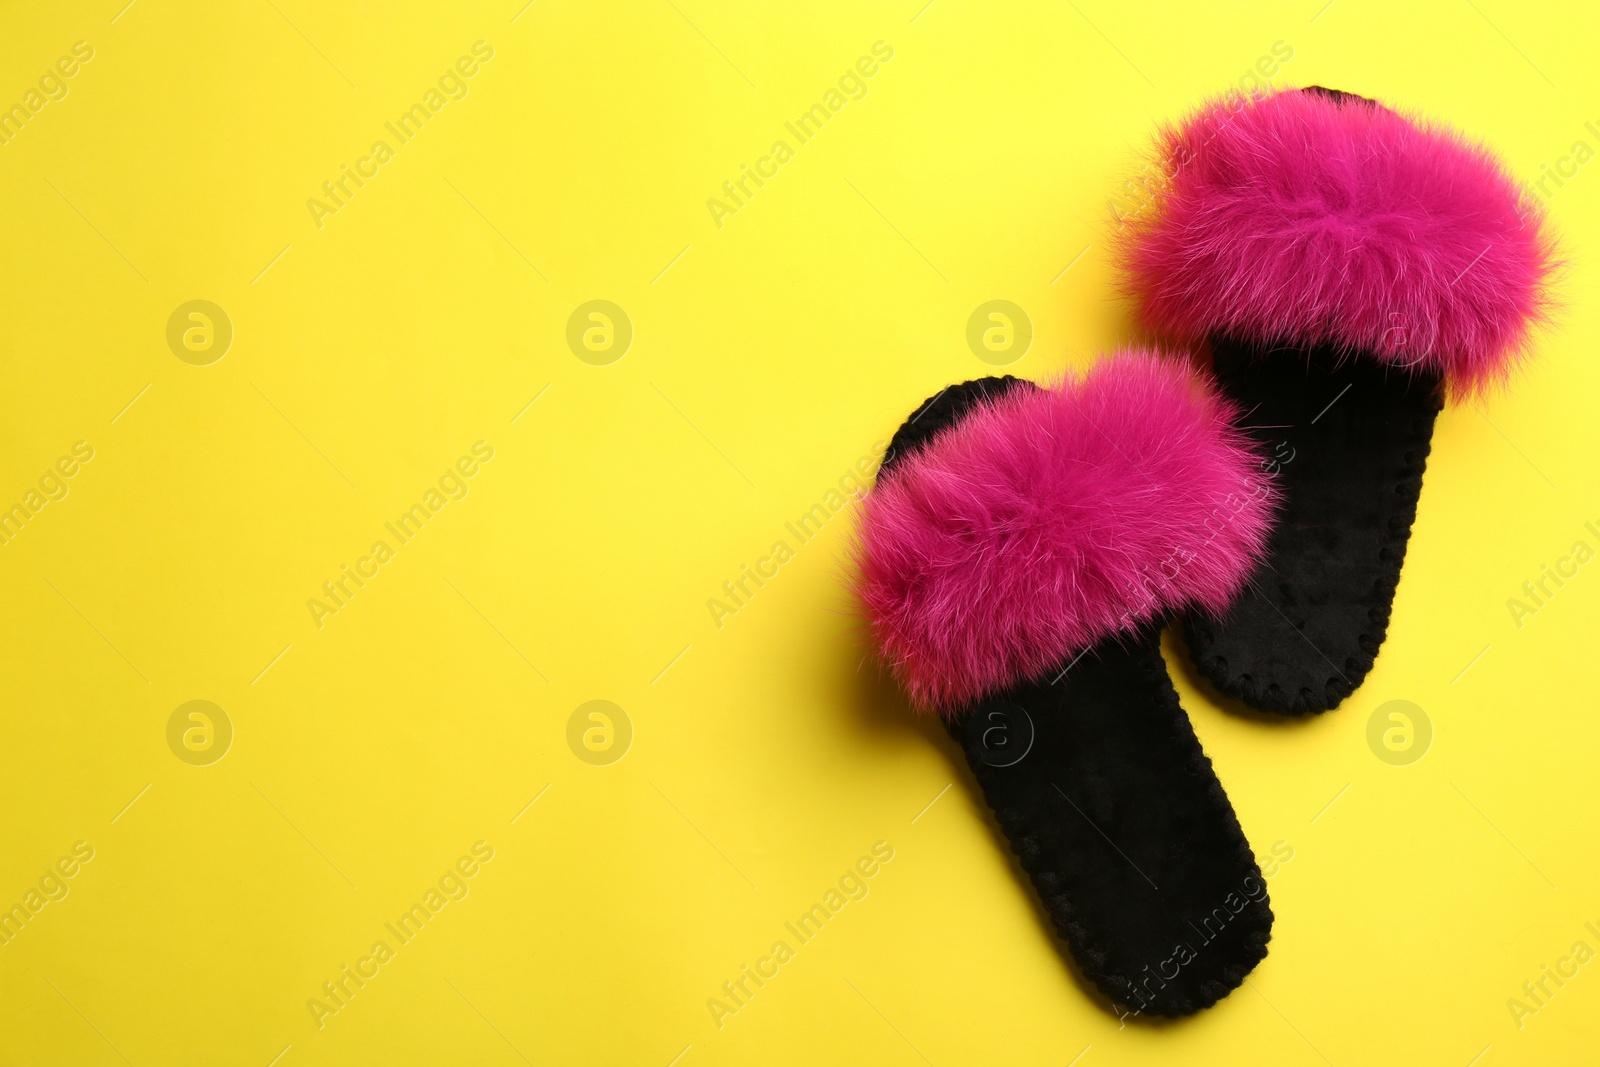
[
  {"x": 1296, "y": 218},
  {"x": 1049, "y": 519}
]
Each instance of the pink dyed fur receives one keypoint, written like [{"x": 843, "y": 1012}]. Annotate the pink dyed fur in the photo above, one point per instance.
[
  {"x": 1293, "y": 217},
  {"x": 1047, "y": 520}
]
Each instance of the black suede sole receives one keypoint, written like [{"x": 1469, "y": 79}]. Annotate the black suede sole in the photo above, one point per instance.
[
  {"x": 1096, "y": 778},
  {"x": 1350, "y": 439}
]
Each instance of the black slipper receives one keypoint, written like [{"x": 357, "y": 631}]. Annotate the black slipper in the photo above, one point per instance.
[
  {"x": 1349, "y": 266},
  {"x": 1016, "y": 558}
]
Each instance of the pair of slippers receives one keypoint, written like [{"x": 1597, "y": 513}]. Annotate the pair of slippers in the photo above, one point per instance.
[{"x": 1023, "y": 547}]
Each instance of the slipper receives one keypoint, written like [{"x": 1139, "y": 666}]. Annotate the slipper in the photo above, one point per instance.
[
  {"x": 1015, "y": 558},
  {"x": 1349, "y": 266}
]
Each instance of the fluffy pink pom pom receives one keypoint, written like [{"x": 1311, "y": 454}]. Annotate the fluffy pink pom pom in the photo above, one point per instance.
[
  {"x": 1302, "y": 217},
  {"x": 1048, "y": 519}
]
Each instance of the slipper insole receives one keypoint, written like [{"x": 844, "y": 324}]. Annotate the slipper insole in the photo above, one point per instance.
[
  {"x": 1349, "y": 438},
  {"x": 1116, "y": 814}
]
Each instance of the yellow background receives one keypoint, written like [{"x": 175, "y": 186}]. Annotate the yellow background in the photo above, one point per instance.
[{"x": 768, "y": 356}]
